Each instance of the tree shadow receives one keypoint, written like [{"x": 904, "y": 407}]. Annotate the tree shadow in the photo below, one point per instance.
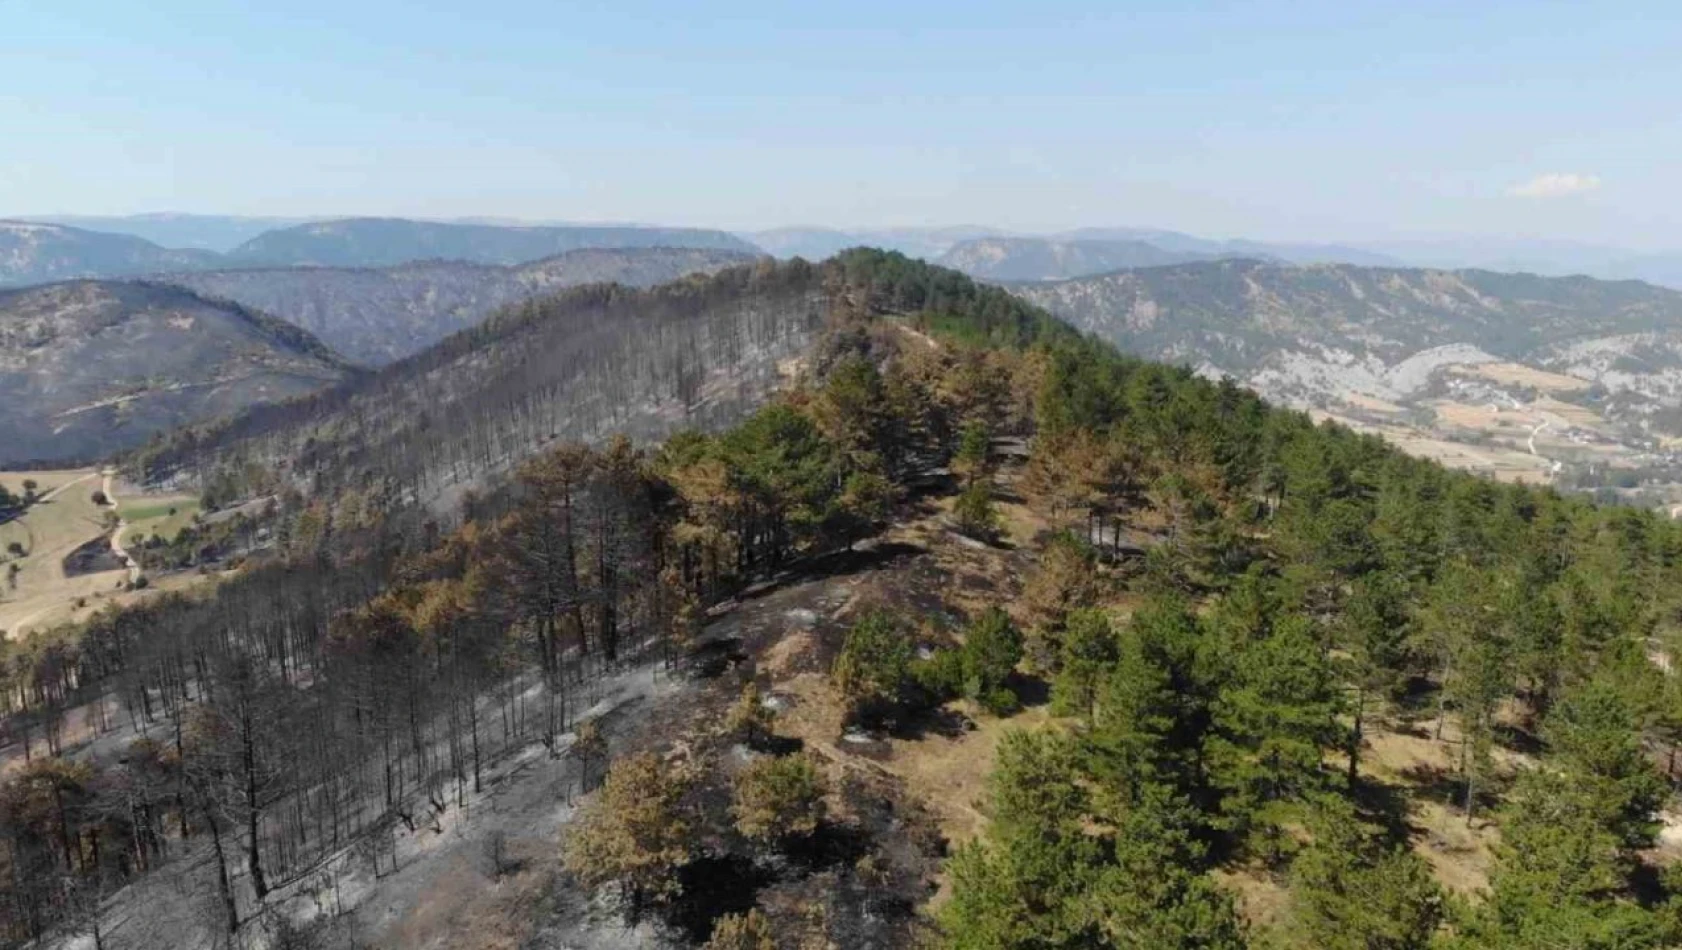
[
  {"x": 713, "y": 886},
  {"x": 1646, "y": 883},
  {"x": 1385, "y": 805},
  {"x": 1447, "y": 787},
  {"x": 832, "y": 564},
  {"x": 775, "y": 745},
  {"x": 712, "y": 659},
  {"x": 1031, "y": 691},
  {"x": 831, "y": 845},
  {"x": 928, "y": 720},
  {"x": 1518, "y": 739}
]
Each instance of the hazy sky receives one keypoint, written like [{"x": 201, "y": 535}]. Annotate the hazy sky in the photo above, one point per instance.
[{"x": 1312, "y": 119}]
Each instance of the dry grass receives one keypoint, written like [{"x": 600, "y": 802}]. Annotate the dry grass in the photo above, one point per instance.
[
  {"x": 1263, "y": 902},
  {"x": 1570, "y": 413},
  {"x": 49, "y": 531},
  {"x": 45, "y": 481},
  {"x": 1421, "y": 767},
  {"x": 1370, "y": 403},
  {"x": 1504, "y": 464},
  {"x": 950, "y": 774},
  {"x": 1496, "y": 420}
]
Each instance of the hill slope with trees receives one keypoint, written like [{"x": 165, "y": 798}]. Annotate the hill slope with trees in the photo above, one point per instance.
[
  {"x": 377, "y": 315},
  {"x": 769, "y": 656},
  {"x": 574, "y": 365},
  {"x": 91, "y": 367}
]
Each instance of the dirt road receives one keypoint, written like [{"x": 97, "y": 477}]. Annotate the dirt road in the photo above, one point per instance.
[{"x": 117, "y": 532}]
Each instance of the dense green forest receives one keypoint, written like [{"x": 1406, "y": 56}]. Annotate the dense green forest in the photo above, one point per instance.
[{"x": 1209, "y": 689}]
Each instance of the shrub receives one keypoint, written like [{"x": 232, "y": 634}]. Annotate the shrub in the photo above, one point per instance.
[
  {"x": 975, "y": 513},
  {"x": 1000, "y": 701},
  {"x": 635, "y": 835},
  {"x": 750, "y": 931},
  {"x": 992, "y": 648},
  {"x": 941, "y": 675},
  {"x": 979, "y": 668},
  {"x": 779, "y": 799},
  {"x": 748, "y": 720},
  {"x": 873, "y": 666}
]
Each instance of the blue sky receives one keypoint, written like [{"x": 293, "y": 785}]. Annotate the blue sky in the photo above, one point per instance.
[{"x": 1302, "y": 120}]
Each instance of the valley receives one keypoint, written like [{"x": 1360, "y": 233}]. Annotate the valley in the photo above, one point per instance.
[{"x": 1566, "y": 381}]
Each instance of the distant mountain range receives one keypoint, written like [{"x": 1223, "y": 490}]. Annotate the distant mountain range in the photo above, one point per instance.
[
  {"x": 370, "y": 242},
  {"x": 1549, "y": 258},
  {"x": 89, "y": 367},
  {"x": 36, "y": 253},
  {"x": 206, "y": 232},
  {"x": 377, "y": 315},
  {"x": 33, "y": 253},
  {"x": 997, "y": 254},
  {"x": 383, "y": 242},
  {"x": 1006, "y": 259}
]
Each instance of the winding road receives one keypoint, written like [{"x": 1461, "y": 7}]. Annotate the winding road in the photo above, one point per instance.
[
  {"x": 1536, "y": 431},
  {"x": 117, "y": 532}
]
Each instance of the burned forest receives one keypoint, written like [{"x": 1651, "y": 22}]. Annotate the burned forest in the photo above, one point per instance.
[{"x": 848, "y": 604}]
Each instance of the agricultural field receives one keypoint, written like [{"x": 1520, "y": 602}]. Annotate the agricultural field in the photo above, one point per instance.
[
  {"x": 37, "y": 592},
  {"x": 160, "y": 515},
  {"x": 1517, "y": 374}
]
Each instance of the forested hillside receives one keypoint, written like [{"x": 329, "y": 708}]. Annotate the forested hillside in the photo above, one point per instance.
[
  {"x": 377, "y": 315},
  {"x": 89, "y": 368},
  {"x": 768, "y": 656},
  {"x": 580, "y": 364}
]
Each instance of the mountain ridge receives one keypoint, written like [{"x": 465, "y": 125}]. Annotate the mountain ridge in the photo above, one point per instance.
[
  {"x": 587, "y": 360},
  {"x": 375, "y": 242},
  {"x": 1032, "y": 259},
  {"x": 375, "y": 315},
  {"x": 32, "y": 252}
]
